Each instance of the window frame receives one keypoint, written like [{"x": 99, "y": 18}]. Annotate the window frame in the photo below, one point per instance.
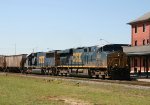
[
  {"x": 135, "y": 43},
  {"x": 144, "y": 27},
  {"x": 135, "y": 29},
  {"x": 147, "y": 41},
  {"x": 143, "y": 41}
]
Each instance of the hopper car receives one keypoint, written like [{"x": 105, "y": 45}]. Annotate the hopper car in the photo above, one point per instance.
[{"x": 13, "y": 63}]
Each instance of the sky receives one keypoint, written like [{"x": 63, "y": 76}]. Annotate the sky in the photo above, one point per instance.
[{"x": 43, "y": 25}]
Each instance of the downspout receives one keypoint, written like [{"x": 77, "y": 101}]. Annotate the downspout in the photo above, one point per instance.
[
  {"x": 149, "y": 33},
  {"x": 132, "y": 61},
  {"x": 149, "y": 41},
  {"x": 131, "y": 35}
]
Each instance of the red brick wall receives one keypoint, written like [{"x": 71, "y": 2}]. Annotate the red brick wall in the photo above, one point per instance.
[{"x": 140, "y": 35}]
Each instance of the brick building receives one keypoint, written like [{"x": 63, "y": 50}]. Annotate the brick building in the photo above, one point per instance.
[{"x": 139, "y": 52}]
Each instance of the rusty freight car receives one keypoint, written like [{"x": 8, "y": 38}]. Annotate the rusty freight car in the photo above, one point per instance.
[
  {"x": 2, "y": 62},
  {"x": 15, "y": 63}
]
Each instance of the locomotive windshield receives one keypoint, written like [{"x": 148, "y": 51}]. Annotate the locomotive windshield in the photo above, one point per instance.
[{"x": 112, "y": 47}]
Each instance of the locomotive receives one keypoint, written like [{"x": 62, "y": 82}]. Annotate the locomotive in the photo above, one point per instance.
[{"x": 107, "y": 61}]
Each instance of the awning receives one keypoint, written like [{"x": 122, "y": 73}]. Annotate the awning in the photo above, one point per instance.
[{"x": 137, "y": 50}]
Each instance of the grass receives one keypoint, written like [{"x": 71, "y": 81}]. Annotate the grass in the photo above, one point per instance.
[{"x": 15, "y": 90}]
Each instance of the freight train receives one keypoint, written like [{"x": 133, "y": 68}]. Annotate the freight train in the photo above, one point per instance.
[{"x": 108, "y": 61}]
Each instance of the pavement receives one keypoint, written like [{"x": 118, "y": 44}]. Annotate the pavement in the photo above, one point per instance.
[{"x": 144, "y": 80}]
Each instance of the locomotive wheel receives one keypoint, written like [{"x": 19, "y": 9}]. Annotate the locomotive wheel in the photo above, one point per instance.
[
  {"x": 97, "y": 76},
  {"x": 65, "y": 74},
  {"x": 103, "y": 76},
  {"x": 89, "y": 73}
]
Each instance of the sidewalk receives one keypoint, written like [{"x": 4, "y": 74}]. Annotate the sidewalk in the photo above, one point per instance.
[{"x": 144, "y": 80}]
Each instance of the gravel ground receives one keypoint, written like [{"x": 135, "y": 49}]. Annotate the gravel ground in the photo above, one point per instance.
[{"x": 83, "y": 80}]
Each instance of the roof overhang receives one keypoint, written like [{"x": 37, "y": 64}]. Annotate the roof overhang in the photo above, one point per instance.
[
  {"x": 143, "y": 18},
  {"x": 140, "y": 21},
  {"x": 137, "y": 50}
]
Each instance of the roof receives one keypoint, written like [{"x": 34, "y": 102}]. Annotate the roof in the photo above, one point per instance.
[
  {"x": 137, "y": 50},
  {"x": 145, "y": 17},
  {"x": 115, "y": 45}
]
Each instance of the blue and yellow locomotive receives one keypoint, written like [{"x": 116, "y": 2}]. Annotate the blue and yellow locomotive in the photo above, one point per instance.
[{"x": 107, "y": 61}]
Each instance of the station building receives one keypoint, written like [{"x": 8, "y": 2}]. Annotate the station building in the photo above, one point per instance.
[{"x": 139, "y": 51}]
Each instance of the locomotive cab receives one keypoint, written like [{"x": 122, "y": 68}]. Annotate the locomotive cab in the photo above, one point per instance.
[{"x": 118, "y": 68}]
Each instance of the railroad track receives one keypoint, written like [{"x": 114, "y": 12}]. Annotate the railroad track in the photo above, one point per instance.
[{"x": 79, "y": 79}]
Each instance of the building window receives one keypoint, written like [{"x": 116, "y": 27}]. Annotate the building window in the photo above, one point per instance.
[
  {"x": 144, "y": 27},
  {"x": 147, "y": 41},
  {"x": 136, "y": 43},
  {"x": 135, "y": 28},
  {"x": 144, "y": 42}
]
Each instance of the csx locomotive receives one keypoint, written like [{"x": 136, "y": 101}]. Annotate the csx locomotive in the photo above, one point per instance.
[{"x": 107, "y": 61}]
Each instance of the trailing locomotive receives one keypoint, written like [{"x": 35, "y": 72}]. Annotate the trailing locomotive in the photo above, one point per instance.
[{"x": 108, "y": 61}]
